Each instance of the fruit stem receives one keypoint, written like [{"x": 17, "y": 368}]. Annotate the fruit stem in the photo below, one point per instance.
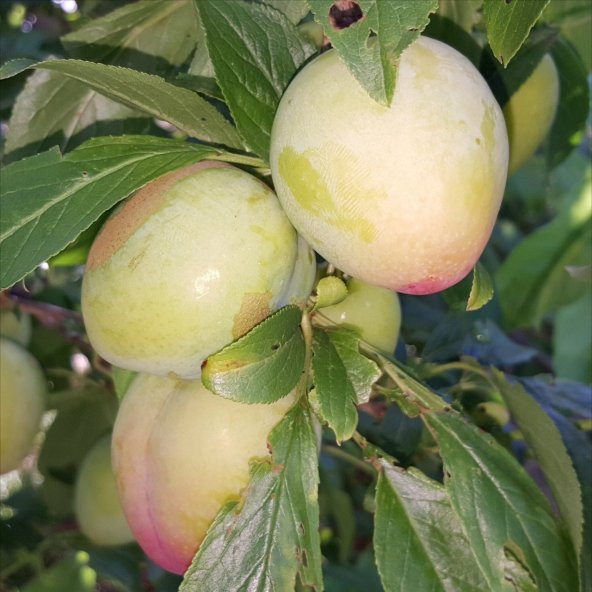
[
  {"x": 307, "y": 332},
  {"x": 251, "y": 161},
  {"x": 349, "y": 458}
]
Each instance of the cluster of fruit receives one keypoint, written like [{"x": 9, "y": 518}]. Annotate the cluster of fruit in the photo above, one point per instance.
[{"x": 401, "y": 198}]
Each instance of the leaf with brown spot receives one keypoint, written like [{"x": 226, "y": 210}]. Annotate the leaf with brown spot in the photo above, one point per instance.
[{"x": 348, "y": 25}]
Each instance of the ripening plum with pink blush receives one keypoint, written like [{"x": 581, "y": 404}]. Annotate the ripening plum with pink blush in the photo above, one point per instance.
[
  {"x": 405, "y": 196},
  {"x": 179, "y": 454}
]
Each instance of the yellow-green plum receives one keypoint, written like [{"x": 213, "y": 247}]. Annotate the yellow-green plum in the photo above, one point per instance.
[
  {"x": 405, "y": 196},
  {"x": 190, "y": 263},
  {"x": 179, "y": 453},
  {"x": 22, "y": 402},
  {"x": 373, "y": 312},
  {"x": 530, "y": 112},
  {"x": 96, "y": 500},
  {"x": 16, "y": 326}
]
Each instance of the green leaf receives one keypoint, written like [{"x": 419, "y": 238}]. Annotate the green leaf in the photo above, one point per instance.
[
  {"x": 204, "y": 85},
  {"x": 574, "y": 98},
  {"x": 410, "y": 394},
  {"x": 335, "y": 397},
  {"x": 295, "y": 10},
  {"x": 472, "y": 292},
  {"x": 482, "y": 288},
  {"x": 148, "y": 36},
  {"x": 83, "y": 416},
  {"x": 544, "y": 438},
  {"x": 72, "y": 573},
  {"x": 263, "y": 542},
  {"x": 575, "y": 18},
  {"x": 14, "y": 67},
  {"x": 262, "y": 366},
  {"x": 396, "y": 24},
  {"x": 582, "y": 273},
  {"x": 462, "y": 12},
  {"x": 149, "y": 94},
  {"x": 431, "y": 550},
  {"x": 122, "y": 380},
  {"x": 517, "y": 574},
  {"x": 47, "y": 200},
  {"x": 501, "y": 507},
  {"x": 52, "y": 109},
  {"x": 504, "y": 82},
  {"x": 254, "y": 62},
  {"x": 533, "y": 281},
  {"x": 508, "y": 24},
  {"x": 572, "y": 340},
  {"x": 361, "y": 371}
]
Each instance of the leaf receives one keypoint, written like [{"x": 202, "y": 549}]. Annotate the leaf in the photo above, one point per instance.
[
  {"x": 54, "y": 110},
  {"x": 295, "y": 10},
  {"x": 508, "y": 24},
  {"x": 335, "y": 397},
  {"x": 149, "y": 36},
  {"x": 335, "y": 502},
  {"x": 397, "y": 434},
  {"x": 14, "y": 67},
  {"x": 149, "y": 94},
  {"x": 122, "y": 380},
  {"x": 462, "y": 12},
  {"x": 262, "y": 366},
  {"x": 574, "y": 17},
  {"x": 567, "y": 397},
  {"x": 572, "y": 340},
  {"x": 552, "y": 397},
  {"x": 73, "y": 573},
  {"x": 413, "y": 395},
  {"x": 361, "y": 371},
  {"x": 202, "y": 84},
  {"x": 532, "y": 281},
  {"x": 472, "y": 292},
  {"x": 500, "y": 506},
  {"x": 396, "y": 24},
  {"x": 82, "y": 417},
  {"x": 574, "y": 98},
  {"x": 263, "y": 542},
  {"x": 431, "y": 550},
  {"x": 505, "y": 81},
  {"x": 490, "y": 345},
  {"x": 544, "y": 438},
  {"x": 47, "y": 200},
  {"x": 482, "y": 288},
  {"x": 255, "y": 50},
  {"x": 582, "y": 273},
  {"x": 517, "y": 574}
]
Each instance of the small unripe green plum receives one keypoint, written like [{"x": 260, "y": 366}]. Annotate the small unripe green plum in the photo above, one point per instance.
[
  {"x": 530, "y": 112},
  {"x": 373, "y": 312},
  {"x": 179, "y": 453},
  {"x": 190, "y": 263},
  {"x": 16, "y": 326},
  {"x": 96, "y": 500},
  {"x": 22, "y": 402},
  {"x": 402, "y": 196}
]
